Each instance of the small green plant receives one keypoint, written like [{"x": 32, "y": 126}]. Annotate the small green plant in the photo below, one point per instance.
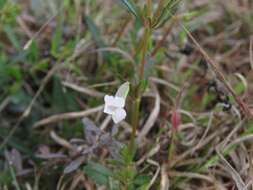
[{"x": 123, "y": 177}]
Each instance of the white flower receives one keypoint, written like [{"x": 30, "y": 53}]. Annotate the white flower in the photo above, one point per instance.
[{"x": 114, "y": 105}]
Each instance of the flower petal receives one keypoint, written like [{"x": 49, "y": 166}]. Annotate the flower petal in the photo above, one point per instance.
[
  {"x": 114, "y": 101},
  {"x": 123, "y": 90},
  {"x": 109, "y": 109},
  {"x": 108, "y": 99},
  {"x": 119, "y": 102},
  {"x": 119, "y": 115}
]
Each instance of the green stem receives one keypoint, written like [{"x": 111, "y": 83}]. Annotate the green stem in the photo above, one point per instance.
[
  {"x": 135, "y": 120},
  {"x": 144, "y": 51},
  {"x": 138, "y": 90}
]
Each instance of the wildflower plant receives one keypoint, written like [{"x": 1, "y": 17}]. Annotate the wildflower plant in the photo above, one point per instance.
[{"x": 148, "y": 18}]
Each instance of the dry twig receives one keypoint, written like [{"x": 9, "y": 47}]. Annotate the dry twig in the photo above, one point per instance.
[{"x": 63, "y": 116}]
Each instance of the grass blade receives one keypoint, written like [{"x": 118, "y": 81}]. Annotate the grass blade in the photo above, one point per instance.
[{"x": 130, "y": 6}]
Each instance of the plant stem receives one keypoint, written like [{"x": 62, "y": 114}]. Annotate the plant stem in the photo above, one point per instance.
[
  {"x": 138, "y": 90},
  {"x": 144, "y": 50},
  {"x": 135, "y": 120},
  {"x": 138, "y": 94}
]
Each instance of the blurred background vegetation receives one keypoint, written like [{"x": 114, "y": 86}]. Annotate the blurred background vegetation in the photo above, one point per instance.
[{"x": 59, "y": 58}]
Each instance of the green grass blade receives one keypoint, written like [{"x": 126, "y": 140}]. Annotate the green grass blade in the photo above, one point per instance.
[{"x": 130, "y": 6}]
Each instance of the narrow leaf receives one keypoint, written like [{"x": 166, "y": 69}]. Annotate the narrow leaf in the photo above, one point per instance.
[
  {"x": 130, "y": 6},
  {"x": 74, "y": 165},
  {"x": 94, "y": 31}
]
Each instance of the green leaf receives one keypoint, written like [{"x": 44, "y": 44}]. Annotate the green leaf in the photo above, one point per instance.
[
  {"x": 130, "y": 6},
  {"x": 12, "y": 36},
  {"x": 142, "y": 180},
  {"x": 128, "y": 155},
  {"x": 62, "y": 100},
  {"x": 10, "y": 72},
  {"x": 58, "y": 96},
  {"x": 94, "y": 31},
  {"x": 57, "y": 37},
  {"x": 98, "y": 173}
]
